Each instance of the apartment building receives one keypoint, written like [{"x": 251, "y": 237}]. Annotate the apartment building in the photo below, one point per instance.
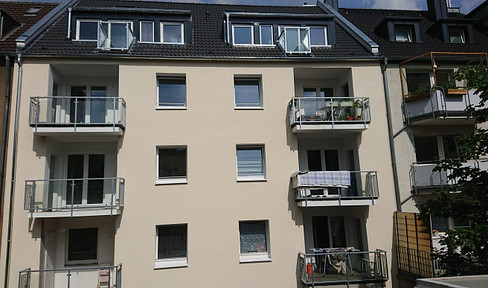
[
  {"x": 174, "y": 144},
  {"x": 423, "y": 50}
]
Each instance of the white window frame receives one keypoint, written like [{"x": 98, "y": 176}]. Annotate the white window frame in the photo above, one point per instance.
[
  {"x": 140, "y": 31},
  {"x": 165, "y": 107},
  {"x": 252, "y": 178},
  {"x": 182, "y": 27},
  {"x": 78, "y": 262},
  {"x": 326, "y": 44},
  {"x": 251, "y": 26},
  {"x": 257, "y": 256},
  {"x": 174, "y": 179},
  {"x": 170, "y": 262},
  {"x": 261, "y": 37},
  {"x": 78, "y": 21},
  {"x": 260, "y": 88}
]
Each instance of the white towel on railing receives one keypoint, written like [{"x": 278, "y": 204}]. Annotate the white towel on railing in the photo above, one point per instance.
[{"x": 324, "y": 179}]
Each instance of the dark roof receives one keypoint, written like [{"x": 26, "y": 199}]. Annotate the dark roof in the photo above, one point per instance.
[
  {"x": 17, "y": 11},
  {"x": 369, "y": 19},
  {"x": 208, "y": 39}
]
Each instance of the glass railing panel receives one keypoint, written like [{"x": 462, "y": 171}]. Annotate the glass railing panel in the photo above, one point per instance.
[{"x": 295, "y": 40}]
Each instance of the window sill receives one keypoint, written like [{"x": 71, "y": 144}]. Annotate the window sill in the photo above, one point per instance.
[
  {"x": 171, "y": 263},
  {"x": 252, "y": 258},
  {"x": 248, "y": 108},
  {"x": 168, "y": 181},
  {"x": 258, "y": 178},
  {"x": 171, "y": 108}
]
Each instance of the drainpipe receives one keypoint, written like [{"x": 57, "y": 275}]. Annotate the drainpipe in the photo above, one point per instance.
[
  {"x": 12, "y": 179},
  {"x": 390, "y": 135}
]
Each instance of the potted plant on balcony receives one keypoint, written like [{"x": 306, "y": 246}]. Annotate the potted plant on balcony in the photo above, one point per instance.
[
  {"x": 452, "y": 89},
  {"x": 358, "y": 108},
  {"x": 422, "y": 91},
  {"x": 349, "y": 113}
]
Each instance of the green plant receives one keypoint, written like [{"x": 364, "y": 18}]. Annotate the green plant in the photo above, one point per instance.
[
  {"x": 358, "y": 104},
  {"x": 421, "y": 89}
]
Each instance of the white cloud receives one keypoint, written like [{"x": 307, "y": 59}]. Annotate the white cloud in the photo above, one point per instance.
[{"x": 398, "y": 4}]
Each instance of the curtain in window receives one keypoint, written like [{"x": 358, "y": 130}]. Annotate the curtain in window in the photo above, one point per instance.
[
  {"x": 249, "y": 161},
  {"x": 253, "y": 237}
]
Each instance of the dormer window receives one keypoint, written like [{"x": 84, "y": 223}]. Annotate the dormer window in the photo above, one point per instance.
[
  {"x": 243, "y": 34},
  {"x": 295, "y": 40},
  {"x": 318, "y": 36},
  {"x": 146, "y": 31},
  {"x": 266, "y": 34},
  {"x": 115, "y": 35},
  {"x": 404, "y": 33},
  {"x": 457, "y": 34},
  {"x": 87, "y": 30},
  {"x": 172, "y": 33}
]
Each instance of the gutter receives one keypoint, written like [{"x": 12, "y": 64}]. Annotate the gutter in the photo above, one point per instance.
[
  {"x": 132, "y": 10},
  {"x": 390, "y": 135},
  {"x": 278, "y": 15},
  {"x": 349, "y": 27},
  {"x": 12, "y": 179}
]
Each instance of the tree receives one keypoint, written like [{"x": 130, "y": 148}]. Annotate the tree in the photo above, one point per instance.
[{"x": 465, "y": 250}]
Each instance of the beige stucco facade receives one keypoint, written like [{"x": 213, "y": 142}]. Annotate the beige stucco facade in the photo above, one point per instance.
[{"x": 212, "y": 202}]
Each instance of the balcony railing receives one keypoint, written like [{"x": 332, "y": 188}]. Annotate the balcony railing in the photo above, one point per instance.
[
  {"x": 77, "y": 112},
  {"x": 74, "y": 197},
  {"x": 415, "y": 263},
  {"x": 424, "y": 178},
  {"x": 295, "y": 40},
  {"x": 335, "y": 188},
  {"x": 438, "y": 104},
  {"x": 328, "y": 113},
  {"x": 86, "y": 277},
  {"x": 335, "y": 267}
]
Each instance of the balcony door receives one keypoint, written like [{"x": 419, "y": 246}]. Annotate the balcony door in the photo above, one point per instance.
[
  {"x": 90, "y": 170},
  {"x": 315, "y": 104},
  {"x": 328, "y": 232},
  {"x": 90, "y": 107}
]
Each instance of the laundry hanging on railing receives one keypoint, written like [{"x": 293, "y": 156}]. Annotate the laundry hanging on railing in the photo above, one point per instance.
[{"x": 322, "y": 179}]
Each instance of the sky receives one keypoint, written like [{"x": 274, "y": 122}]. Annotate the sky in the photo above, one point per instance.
[{"x": 465, "y": 5}]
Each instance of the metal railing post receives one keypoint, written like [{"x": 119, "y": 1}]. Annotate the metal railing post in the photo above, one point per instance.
[
  {"x": 72, "y": 196},
  {"x": 76, "y": 113},
  {"x": 114, "y": 100},
  {"x": 33, "y": 193},
  {"x": 112, "y": 196},
  {"x": 69, "y": 278},
  {"x": 332, "y": 112}
]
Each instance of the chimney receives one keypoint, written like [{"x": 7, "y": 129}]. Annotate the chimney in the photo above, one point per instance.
[
  {"x": 333, "y": 3},
  {"x": 438, "y": 9}
]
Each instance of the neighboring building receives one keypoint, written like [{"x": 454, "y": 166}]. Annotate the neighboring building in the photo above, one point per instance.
[
  {"x": 424, "y": 48},
  {"x": 166, "y": 140},
  {"x": 15, "y": 19}
]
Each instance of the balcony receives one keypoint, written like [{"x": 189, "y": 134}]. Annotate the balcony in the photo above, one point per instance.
[
  {"x": 78, "y": 197},
  {"x": 335, "y": 188},
  {"x": 115, "y": 36},
  {"x": 295, "y": 40},
  {"x": 87, "y": 277},
  {"x": 60, "y": 115},
  {"x": 437, "y": 108},
  {"x": 336, "y": 266},
  {"x": 423, "y": 178},
  {"x": 308, "y": 114}
]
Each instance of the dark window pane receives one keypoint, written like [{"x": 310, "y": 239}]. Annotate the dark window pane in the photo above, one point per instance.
[
  {"x": 439, "y": 224},
  {"x": 78, "y": 105},
  {"x": 450, "y": 148},
  {"x": 172, "y": 241},
  {"x": 82, "y": 244},
  {"x": 418, "y": 80},
  {"x": 172, "y": 92},
  {"x": 320, "y": 232},
  {"x": 147, "y": 32},
  {"x": 317, "y": 36},
  {"x": 118, "y": 36},
  {"x": 172, "y": 162},
  {"x": 331, "y": 160},
  {"x": 74, "y": 188},
  {"x": 243, "y": 35},
  {"x": 444, "y": 77},
  {"x": 253, "y": 237},
  {"x": 457, "y": 35},
  {"x": 338, "y": 231},
  {"x": 426, "y": 149},
  {"x": 250, "y": 161},
  {"x": 172, "y": 33},
  {"x": 458, "y": 222},
  {"x": 247, "y": 93},
  {"x": 98, "y": 105},
  {"x": 404, "y": 33},
  {"x": 96, "y": 167},
  {"x": 266, "y": 35},
  {"x": 314, "y": 161},
  {"x": 88, "y": 30}
]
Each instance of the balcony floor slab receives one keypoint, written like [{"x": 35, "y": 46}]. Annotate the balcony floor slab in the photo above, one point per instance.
[{"x": 66, "y": 213}]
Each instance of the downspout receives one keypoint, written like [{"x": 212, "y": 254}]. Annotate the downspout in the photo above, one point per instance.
[
  {"x": 390, "y": 135},
  {"x": 69, "y": 23},
  {"x": 12, "y": 179}
]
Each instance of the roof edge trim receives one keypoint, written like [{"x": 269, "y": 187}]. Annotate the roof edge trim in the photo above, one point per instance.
[
  {"x": 277, "y": 15},
  {"x": 355, "y": 32},
  {"x": 131, "y": 10}
]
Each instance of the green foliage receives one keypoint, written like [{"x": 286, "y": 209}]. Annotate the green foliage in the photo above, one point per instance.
[
  {"x": 421, "y": 89},
  {"x": 465, "y": 250}
]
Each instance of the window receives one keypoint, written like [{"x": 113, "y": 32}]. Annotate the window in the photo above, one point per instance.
[
  {"x": 254, "y": 241},
  {"x": 115, "y": 35},
  {"x": 171, "y": 246},
  {"x": 247, "y": 93},
  {"x": 418, "y": 82},
  {"x": 426, "y": 149},
  {"x": 172, "y": 33},
  {"x": 243, "y": 34},
  {"x": 266, "y": 34},
  {"x": 404, "y": 33},
  {"x": 172, "y": 92},
  {"x": 250, "y": 163},
  {"x": 146, "y": 31},
  {"x": 457, "y": 34},
  {"x": 318, "y": 36},
  {"x": 82, "y": 246},
  {"x": 87, "y": 30},
  {"x": 172, "y": 162}
]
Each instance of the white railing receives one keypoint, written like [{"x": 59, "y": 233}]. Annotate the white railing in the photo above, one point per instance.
[
  {"x": 295, "y": 40},
  {"x": 68, "y": 111},
  {"x": 83, "y": 277},
  {"x": 334, "y": 111},
  {"x": 423, "y": 176},
  {"x": 341, "y": 186},
  {"x": 70, "y": 195}
]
